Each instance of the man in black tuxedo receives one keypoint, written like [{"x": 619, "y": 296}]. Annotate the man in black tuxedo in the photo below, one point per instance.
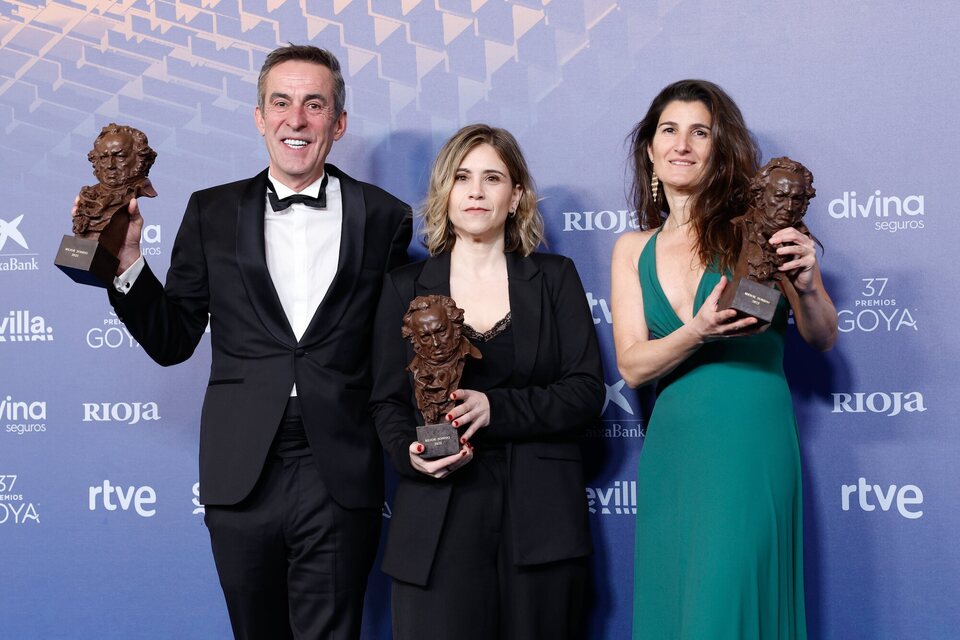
[{"x": 288, "y": 267}]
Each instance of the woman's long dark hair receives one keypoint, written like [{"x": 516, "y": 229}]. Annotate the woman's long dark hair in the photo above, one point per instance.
[{"x": 723, "y": 192}]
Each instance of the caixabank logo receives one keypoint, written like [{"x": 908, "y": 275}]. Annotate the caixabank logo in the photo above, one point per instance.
[
  {"x": 22, "y": 325},
  {"x": 878, "y": 310},
  {"x": 14, "y": 508},
  {"x": 15, "y": 253},
  {"x": 23, "y": 417},
  {"x": 618, "y": 419},
  {"x": 886, "y": 213}
]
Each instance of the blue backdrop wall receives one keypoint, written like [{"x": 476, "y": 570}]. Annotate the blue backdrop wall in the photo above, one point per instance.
[{"x": 101, "y": 533}]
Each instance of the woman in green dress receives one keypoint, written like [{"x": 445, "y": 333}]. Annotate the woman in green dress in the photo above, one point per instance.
[{"x": 719, "y": 550}]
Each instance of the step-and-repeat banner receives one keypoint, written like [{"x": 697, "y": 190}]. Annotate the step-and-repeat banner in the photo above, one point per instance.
[{"x": 101, "y": 530}]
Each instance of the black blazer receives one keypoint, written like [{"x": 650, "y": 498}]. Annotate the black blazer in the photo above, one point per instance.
[
  {"x": 556, "y": 392},
  {"x": 218, "y": 267}
]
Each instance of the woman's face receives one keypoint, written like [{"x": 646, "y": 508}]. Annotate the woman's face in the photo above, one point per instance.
[
  {"x": 482, "y": 195},
  {"x": 681, "y": 145}
]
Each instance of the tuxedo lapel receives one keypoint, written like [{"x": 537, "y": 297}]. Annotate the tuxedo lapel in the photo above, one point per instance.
[
  {"x": 252, "y": 261},
  {"x": 434, "y": 278},
  {"x": 525, "y": 282},
  {"x": 335, "y": 302}
]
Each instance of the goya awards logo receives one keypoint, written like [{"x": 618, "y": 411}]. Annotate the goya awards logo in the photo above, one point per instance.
[
  {"x": 608, "y": 220},
  {"x": 15, "y": 254},
  {"x": 23, "y": 416},
  {"x": 14, "y": 509},
  {"x": 877, "y": 310},
  {"x": 888, "y": 213},
  {"x": 21, "y": 325},
  {"x": 111, "y": 335}
]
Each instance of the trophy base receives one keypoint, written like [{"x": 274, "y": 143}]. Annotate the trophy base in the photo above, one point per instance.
[
  {"x": 750, "y": 298},
  {"x": 438, "y": 440},
  {"x": 86, "y": 261}
]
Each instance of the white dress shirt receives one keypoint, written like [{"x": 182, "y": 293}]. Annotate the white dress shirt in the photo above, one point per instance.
[{"x": 303, "y": 250}]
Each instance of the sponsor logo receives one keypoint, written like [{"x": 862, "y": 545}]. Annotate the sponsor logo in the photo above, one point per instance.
[
  {"x": 21, "y": 326},
  {"x": 620, "y": 499},
  {"x": 13, "y": 508},
  {"x": 876, "y": 310},
  {"x": 889, "y": 213},
  {"x": 112, "y": 335},
  {"x": 607, "y": 220},
  {"x": 198, "y": 508},
  {"x": 889, "y": 403},
  {"x": 21, "y": 417},
  {"x": 125, "y": 412},
  {"x": 150, "y": 240},
  {"x": 618, "y": 427},
  {"x": 12, "y": 238},
  {"x": 112, "y": 498},
  {"x": 599, "y": 309},
  {"x": 909, "y": 495}
]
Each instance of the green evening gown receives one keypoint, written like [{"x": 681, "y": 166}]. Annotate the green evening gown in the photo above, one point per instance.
[{"x": 719, "y": 512}]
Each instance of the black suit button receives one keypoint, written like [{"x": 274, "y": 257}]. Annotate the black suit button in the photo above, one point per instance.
[{"x": 300, "y": 352}]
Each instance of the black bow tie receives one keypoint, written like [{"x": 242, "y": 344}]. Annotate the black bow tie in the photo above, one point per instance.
[{"x": 279, "y": 204}]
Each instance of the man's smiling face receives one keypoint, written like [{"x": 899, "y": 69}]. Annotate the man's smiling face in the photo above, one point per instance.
[{"x": 298, "y": 121}]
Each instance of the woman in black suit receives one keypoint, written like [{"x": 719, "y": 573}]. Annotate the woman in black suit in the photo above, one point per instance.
[{"x": 491, "y": 542}]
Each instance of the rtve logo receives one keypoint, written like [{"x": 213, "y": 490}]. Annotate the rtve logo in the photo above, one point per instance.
[
  {"x": 905, "y": 497},
  {"x": 137, "y": 497}
]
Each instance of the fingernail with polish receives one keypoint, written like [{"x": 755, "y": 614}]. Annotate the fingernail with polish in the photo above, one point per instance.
[{"x": 456, "y": 423}]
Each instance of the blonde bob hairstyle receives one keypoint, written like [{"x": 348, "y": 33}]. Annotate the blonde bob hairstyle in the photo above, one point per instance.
[{"x": 524, "y": 227}]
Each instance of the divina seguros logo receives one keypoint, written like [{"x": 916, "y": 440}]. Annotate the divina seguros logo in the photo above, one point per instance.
[
  {"x": 22, "y": 417},
  {"x": 888, "y": 213}
]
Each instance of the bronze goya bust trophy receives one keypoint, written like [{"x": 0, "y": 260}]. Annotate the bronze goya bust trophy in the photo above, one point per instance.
[
  {"x": 433, "y": 324},
  {"x": 121, "y": 159},
  {"x": 779, "y": 195}
]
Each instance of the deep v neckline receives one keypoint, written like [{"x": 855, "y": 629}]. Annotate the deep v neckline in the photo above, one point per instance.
[{"x": 698, "y": 297}]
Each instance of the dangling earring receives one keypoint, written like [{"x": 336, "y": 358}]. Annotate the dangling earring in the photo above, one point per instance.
[
  {"x": 512, "y": 214},
  {"x": 655, "y": 187}
]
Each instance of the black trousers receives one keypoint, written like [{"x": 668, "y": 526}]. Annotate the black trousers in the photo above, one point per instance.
[
  {"x": 292, "y": 562},
  {"x": 476, "y": 591}
]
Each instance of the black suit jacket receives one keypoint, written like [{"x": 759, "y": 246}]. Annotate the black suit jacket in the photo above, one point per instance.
[
  {"x": 556, "y": 392},
  {"x": 218, "y": 267}
]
